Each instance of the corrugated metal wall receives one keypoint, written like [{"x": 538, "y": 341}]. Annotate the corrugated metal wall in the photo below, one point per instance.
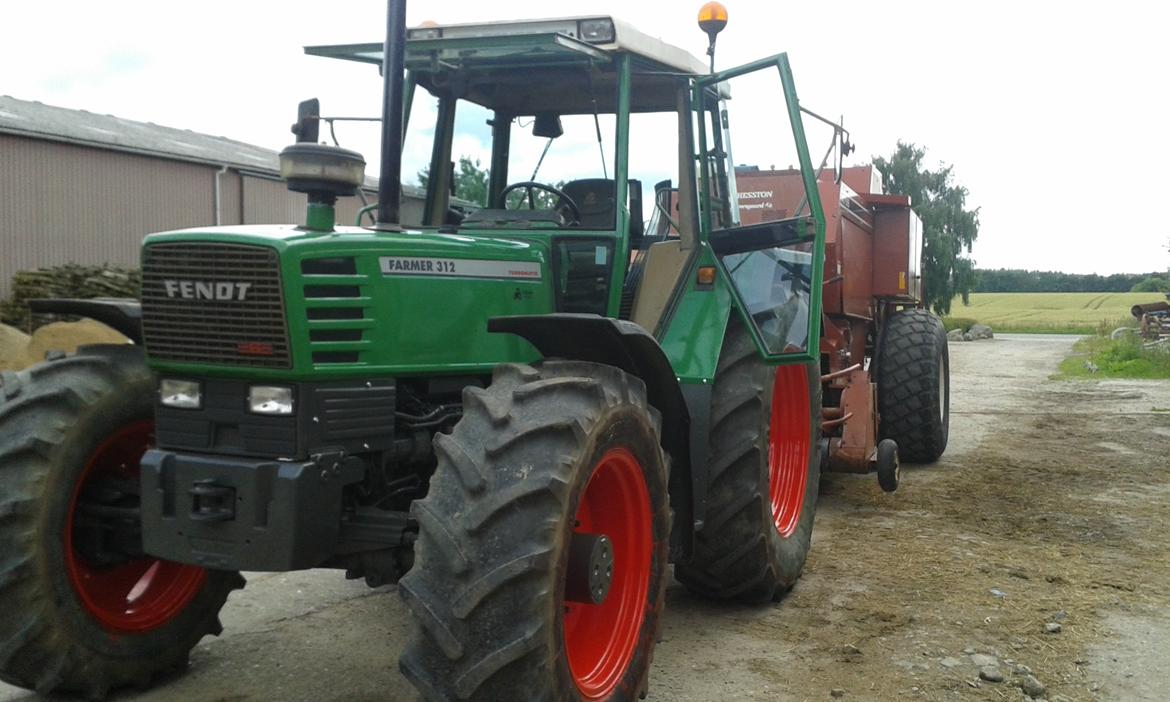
[{"x": 63, "y": 203}]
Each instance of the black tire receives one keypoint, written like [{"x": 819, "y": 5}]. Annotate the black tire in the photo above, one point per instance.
[
  {"x": 888, "y": 469},
  {"x": 740, "y": 553},
  {"x": 488, "y": 583},
  {"x": 914, "y": 385},
  {"x": 54, "y": 419}
]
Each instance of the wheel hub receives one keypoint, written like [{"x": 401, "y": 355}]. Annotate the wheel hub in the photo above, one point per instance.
[
  {"x": 125, "y": 591},
  {"x": 590, "y": 571},
  {"x": 612, "y": 532},
  {"x": 789, "y": 443}
]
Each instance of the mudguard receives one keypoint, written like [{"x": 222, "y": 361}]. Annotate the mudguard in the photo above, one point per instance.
[{"x": 123, "y": 315}]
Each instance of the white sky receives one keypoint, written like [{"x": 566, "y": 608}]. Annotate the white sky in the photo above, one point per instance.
[{"x": 1052, "y": 113}]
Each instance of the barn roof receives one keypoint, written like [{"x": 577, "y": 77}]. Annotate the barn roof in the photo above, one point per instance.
[{"x": 39, "y": 121}]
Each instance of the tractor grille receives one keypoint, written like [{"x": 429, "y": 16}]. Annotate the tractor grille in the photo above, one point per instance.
[{"x": 214, "y": 303}]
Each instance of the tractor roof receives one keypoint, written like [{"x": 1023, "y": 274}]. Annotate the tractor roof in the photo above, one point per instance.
[{"x": 529, "y": 66}]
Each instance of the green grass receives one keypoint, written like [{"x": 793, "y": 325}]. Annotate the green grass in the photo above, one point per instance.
[
  {"x": 963, "y": 323},
  {"x": 1120, "y": 358},
  {"x": 1047, "y": 313}
]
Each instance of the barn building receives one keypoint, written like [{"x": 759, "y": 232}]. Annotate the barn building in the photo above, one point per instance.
[{"x": 79, "y": 187}]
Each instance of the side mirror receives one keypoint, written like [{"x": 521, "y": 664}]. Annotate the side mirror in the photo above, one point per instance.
[
  {"x": 547, "y": 125},
  {"x": 308, "y": 124},
  {"x": 844, "y": 148},
  {"x": 637, "y": 224}
]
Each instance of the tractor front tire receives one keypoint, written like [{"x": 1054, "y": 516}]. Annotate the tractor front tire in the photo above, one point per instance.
[
  {"x": 914, "y": 385},
  {"x": 76, "y": 614},
  {"x": 544, "y": 461},
  {"x": 762, "y": 476}
]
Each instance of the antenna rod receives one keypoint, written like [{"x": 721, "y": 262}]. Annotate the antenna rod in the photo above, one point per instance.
[{"x": 393, "y": 65}]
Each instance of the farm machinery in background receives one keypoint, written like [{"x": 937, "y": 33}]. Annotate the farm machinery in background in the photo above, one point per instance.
[
  {"x": 885, "y": 359},
  {"x": 1153, "y": 321},
  {"x": 522, "y": 415}
]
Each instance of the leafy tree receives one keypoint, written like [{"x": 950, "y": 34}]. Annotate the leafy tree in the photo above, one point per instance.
[
  {"x": 471, "y": 184},
  {"x": 471, "y": 181},
  {"x": 948, "y": 228},
  {"x": 1153, "y": 284}
]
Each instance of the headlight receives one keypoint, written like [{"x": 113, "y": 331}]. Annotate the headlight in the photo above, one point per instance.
[
  {"x": 181, "y": 394},
  {"x": 597, "y": 31},
  {"x": 266, "y": 399}
]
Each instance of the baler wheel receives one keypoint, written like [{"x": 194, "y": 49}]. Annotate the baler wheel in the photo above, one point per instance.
[
  {"x": 763, "y": 476},
  {"x": 913, "y": 385},
  {"x": 540, "y": 566},
  {"x": 889, "y": 472},
  {"x": 82, "y": 610}
]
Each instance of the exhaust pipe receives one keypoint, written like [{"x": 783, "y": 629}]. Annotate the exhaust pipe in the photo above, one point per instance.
[{"x": 393, "y": 66}]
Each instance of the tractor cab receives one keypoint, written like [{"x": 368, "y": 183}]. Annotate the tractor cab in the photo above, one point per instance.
[{"x": 555, "y": 130}]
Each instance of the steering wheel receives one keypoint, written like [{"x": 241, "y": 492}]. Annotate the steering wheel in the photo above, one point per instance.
[{"x": 530, "y": 185}]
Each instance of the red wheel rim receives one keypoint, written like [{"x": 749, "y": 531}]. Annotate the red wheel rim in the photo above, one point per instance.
[
  {"x": 140, "y": 595},
  {"x": 788, "y": 447},
  {"x": 600, "y": 640}
]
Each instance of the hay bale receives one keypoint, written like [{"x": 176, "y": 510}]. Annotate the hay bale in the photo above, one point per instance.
[
  {"x": 67, "y": 336},
  {"x": 13, "y": 348}
]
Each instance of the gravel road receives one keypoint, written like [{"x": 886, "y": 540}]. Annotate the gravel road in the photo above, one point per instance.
[{"x": 1050, "y": 507}]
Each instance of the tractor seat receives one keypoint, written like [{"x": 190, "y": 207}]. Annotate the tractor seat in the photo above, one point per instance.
[{"x": 595, "y": 200}]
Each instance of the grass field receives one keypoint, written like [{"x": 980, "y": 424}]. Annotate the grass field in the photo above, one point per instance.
[
  {"x": 1048, "y": 313},
  {"x": 1102, "y": 357}
]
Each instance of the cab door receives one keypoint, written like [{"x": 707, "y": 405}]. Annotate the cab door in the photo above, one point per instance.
[{"x": 770, "y": 240}]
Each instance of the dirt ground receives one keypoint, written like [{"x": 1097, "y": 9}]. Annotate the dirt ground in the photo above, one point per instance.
[{"x": 1050, "y": 507}]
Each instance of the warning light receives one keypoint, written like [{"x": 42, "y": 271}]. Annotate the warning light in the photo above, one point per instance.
[{"x": 712, "y": 18}]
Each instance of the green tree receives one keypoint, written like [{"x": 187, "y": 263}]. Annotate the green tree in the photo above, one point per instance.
[
  {"x": 471, "y": 184},
  {"x": 471, "y": 181},
  {"x": 1152, "y": 284},
  {"x": 948, "y": 228}
]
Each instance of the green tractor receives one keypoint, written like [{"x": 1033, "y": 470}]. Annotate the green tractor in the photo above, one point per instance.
[{"x": 523, "y": 414}]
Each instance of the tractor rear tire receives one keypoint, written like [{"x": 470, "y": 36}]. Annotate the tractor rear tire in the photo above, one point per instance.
[
  {"x": 543, "y": 458},
  {"x": 763, "y": 476},
  {"x": 914, "y": 385},
  {"x": 69, "y": 623}
]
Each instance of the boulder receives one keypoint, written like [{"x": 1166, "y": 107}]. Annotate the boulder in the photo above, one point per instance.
[
  {"x": 980, "y": 331},
  {"x": 955, "y": 335}
]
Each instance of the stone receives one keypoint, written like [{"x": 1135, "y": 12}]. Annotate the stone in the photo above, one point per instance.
[
  {"x": 1022, "y": 669},
  {"x": 950, "y": 662},
  {"x": 968, "y": 650},
  {"x": 998, "y": 593},
  {"x": 980, "y": 331},
  {"x": 955, "y": 335},
  {"x": 990, "y": 674},
  {"x": 836, "y": 692},
  {"x": 850, "y": 650},
  {"x": 1052, "y": 628},
  {"x": 1031, "y": 686},
  {"x": 982, "y": 660}
]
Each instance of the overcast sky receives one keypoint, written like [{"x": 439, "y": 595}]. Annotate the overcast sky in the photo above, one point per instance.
[{"x": 1052, "y": 114}]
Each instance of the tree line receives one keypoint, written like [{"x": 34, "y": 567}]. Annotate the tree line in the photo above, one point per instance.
[{"x": 1018, "y": 280}]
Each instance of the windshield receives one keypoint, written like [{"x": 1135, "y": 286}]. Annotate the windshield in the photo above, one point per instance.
[{"x": 558, "y": 170}]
